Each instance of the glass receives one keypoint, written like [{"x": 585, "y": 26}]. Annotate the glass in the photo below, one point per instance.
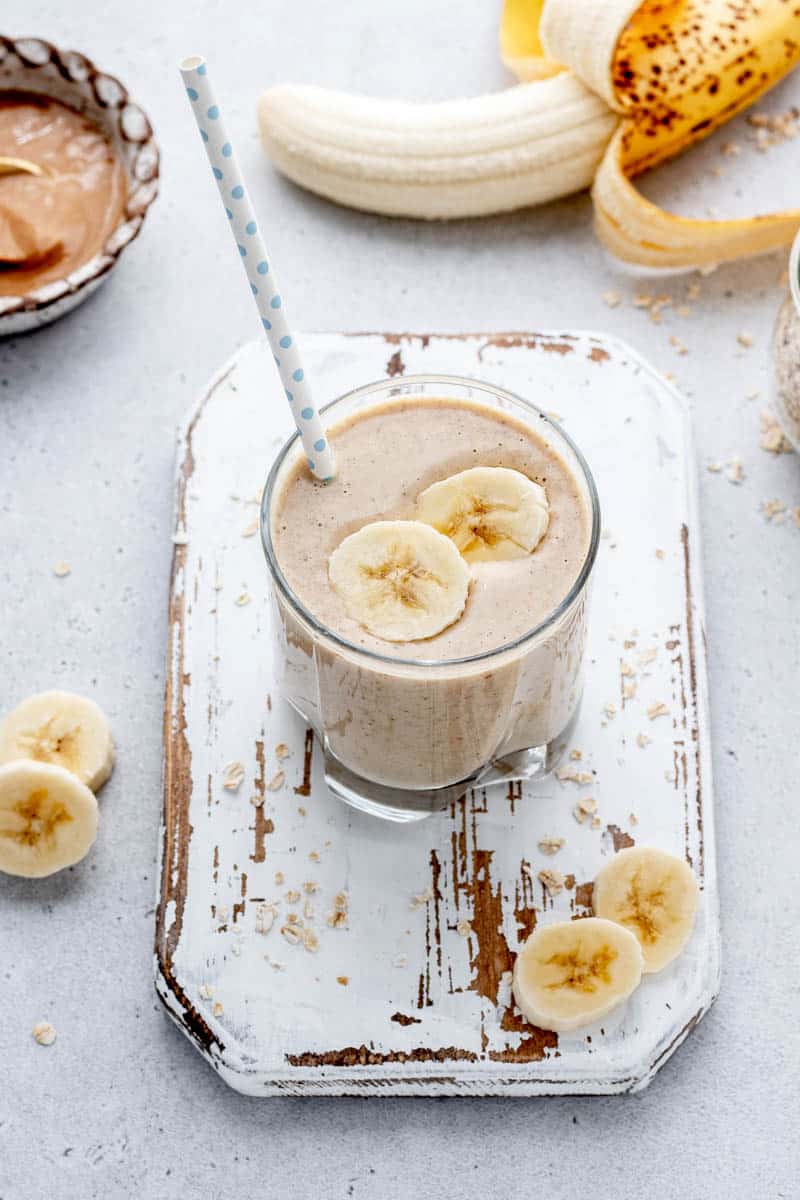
[
  {"x": 403, "y": 737},
  {"x": 786, "y": 350}
]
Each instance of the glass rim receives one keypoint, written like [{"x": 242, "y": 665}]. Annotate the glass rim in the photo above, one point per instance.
[{"x": 389, "y": 385}]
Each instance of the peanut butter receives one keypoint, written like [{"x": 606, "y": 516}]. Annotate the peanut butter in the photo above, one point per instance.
[{"x": 54, "y": 222}]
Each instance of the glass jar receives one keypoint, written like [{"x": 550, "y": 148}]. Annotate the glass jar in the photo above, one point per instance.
[
  {"x": 402, "y": 737},
  {"x": 786, "y": 349}
]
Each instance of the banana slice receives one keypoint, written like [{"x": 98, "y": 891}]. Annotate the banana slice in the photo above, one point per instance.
[
  {"x": 48, "y": 818},
  {"x": 401, "y": 580},
  {"x": 489, "y": 512},
  {"x": 575, "y": 972},
  {"x": 654, "y": 895},
  {"x": 61, "y": 728}
]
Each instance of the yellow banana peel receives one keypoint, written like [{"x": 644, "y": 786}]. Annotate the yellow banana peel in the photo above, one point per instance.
[{"x": 674, "y": 71}]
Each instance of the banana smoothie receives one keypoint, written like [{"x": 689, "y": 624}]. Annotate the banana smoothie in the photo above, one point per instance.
[{"x": 421, "y": 594}]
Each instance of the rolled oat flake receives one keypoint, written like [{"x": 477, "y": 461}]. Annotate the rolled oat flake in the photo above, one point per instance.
[{"x": 786, "y": 347}]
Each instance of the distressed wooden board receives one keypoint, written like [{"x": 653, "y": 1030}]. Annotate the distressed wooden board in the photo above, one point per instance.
[{"x": 426, "y": 1010}]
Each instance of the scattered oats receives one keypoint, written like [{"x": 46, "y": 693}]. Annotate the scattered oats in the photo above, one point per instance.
[
  {"x": 400, "y": 961},
  {"x": 464, "y": 928},
  {"x": 292, "y": 896},
  {"x": 257, "y": 800},
  {"x": 301, "y": 810},
  {"x": 282, "y": 751},
  {"x": 222, "y": 913},
  {"x": 744, "y": 339},
  {"x": 735, "y": 470},
  {"x": 647, "y": 656},
  {"x": 233, "y": 776},
  {"x": 341, "y": 901},
  {"x": 626, "y": 669},
  {"x": 774, "y": 510},
  {"x": 642, "y": 300},
  {"x": 276, "y": 781},
  {"x": 570, "y": 775},
  {"x": 44, "y": 1033},
  {"x": 643, "y": 740},
  {"x": 310, "y": 941},
  {"x": 265, "y": 917},
  {"x": 250, "y": 528},
  {"x": 659, "y": 553},
  {"x": 610, "y": 710},
  {"x": 714, "y": 467},
  {"x": 633, "y": 819},
  {"x": 683, "y": 310},
  {"x": 422, "y": 899},
  {"x": 612, "y": 299},
  {"x": 551, "y": 845},
  {"x": 659, "y": 709},
  {"x": 293, "y": 919},
  {"x": 180, "y": 538},
  {"x": 292, "y": 934},
  {"x": 629, "y": 689},
  {"x": 218, "y": 1008},
  {"x": 772, "y": 436},
  {"x": 308, "y": 910},
  {"x": 586, "y": 807},
  {"x": 678, "y": 345},
  {"x": 279, "y": 878},
  {"x": 205, "y": 992},
  {"x": 343, "y": 980},
  {"x": 576, "y": 755},
  {"x": 61, "y": 569},
  {"x": 309, "y": 887},
  {"x": 242, "y": 599},
  {"x": 336, "y": 919},
  {"x": 553, "y": 881},
  {"x": 313, "y": 856},
  {"x": 596, "y": 822},
  {"x": 730, "y": 149}
]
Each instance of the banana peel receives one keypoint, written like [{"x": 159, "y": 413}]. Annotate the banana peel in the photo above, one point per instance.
[
  {"x": 675, "y": 72},
  {"x": 608, "y": 89}
]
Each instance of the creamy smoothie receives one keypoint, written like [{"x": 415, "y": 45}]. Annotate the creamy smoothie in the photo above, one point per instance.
[{"x": 401, "y": 712}]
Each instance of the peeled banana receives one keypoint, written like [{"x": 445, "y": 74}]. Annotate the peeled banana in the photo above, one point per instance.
[
  {"x": 48, "y": 818},
  {"x": 63, "y": 728},
  {"x": 575, "y": 972},
  {"x": 401, "y": 580},
  {"x": 488, "y": 512},
  {"x": 609, "y": 90},
  {"x": 654, "y": 895}
]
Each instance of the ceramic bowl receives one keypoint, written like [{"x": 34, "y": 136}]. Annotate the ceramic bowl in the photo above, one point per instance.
[{"x": 33, "y": 65}]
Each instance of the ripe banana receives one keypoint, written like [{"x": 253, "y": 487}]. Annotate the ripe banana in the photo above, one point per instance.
[
  {"x": 610, "y": 90},
  {"x": 575, "y": 972},
  {"x": 488, "y": 512},
  {"x": 461, "y": 158},
  {"x": 48, "y": 818},
  {"x": 654, "y": 895},
  {"x": 401, "y": 580},
  {"x": 61, "y": 728}
]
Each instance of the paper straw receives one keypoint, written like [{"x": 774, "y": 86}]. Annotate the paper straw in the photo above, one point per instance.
[{"x": 257, "y": 265}]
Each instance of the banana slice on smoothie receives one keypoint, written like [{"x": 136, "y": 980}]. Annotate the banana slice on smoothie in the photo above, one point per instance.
[
  {"x": 488, "y": 512},
  {"x": 654, "y": 895},
  {"x": 401, "y": 580},
  {"x": 48, "y": 818},
  {"x": 61, "y": 728},
  {"x": 575, "y": 972}
]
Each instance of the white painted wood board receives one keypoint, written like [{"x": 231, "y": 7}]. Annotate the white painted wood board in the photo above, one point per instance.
[{"x": 425, "y": 1010}]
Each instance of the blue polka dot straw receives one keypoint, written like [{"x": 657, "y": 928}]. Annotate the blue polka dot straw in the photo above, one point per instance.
[{"x": 257, "y": 264}]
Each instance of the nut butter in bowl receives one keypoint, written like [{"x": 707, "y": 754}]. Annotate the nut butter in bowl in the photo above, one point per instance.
[{"x": 78, "y": 171}]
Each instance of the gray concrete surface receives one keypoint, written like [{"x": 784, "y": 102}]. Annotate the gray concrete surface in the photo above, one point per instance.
[{"x": 121, "y": 1105}]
